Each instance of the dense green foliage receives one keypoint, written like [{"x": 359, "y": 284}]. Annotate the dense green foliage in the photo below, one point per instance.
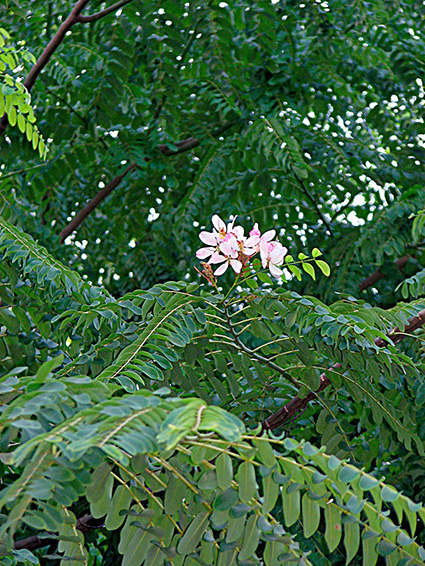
[{"x": 133, "y": 391}]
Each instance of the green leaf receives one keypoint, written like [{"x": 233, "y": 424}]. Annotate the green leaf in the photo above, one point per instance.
[
  {"x": 324, "y": 267},
  {"x": 291, "y": 506},
  {"x": 333, "y": 530},
  {"x": 45, "y": 369},
  {"x": 369, "y": 542},
  {"x": 224, "y": 470},
  {"x": 310, "y": 515},
  {"x": 193, "y": 534},
  {"x": 351, "y": 540},
  {"x": 226, "y": 500},
  {"x": 308, "y": 268},
  {"x": 121, "y": 500},
  {"x": 251, "y": 539},
  {"x": 389, "y": 494},
  {"x": 247, "y": 482}
]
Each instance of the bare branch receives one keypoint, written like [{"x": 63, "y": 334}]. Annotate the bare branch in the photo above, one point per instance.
[
  {"x": 94, "y": 17},
  {"x": 295, "y": 406}
]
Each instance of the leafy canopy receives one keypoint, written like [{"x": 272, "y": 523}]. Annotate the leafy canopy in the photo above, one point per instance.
[{"x": 147, "y": 416}]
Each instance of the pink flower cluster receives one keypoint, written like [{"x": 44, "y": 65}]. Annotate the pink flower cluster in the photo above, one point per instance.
[{"x": 228, "y": 245}]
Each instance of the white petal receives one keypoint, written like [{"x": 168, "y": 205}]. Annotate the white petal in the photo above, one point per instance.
[
  {"x": 221, "y": 269},
  {"x": 218, "y": 223},
  {"x": 269, "y": 235},
  {"x": 208, "y": 238},
  {"x": 277, "y": 254},
  {"x": 249, "y": 251},
  {"x": 238, "y": 232},
  {"x": 236, "y": 265},
  {"x": 231, "y": 224},
  {"x": 217, "y": 258},
  {"x": 229, "y": 247},
  {"x": 202, "y": 253},
  {"x": 252, "y": 241},
  {"x": 275, "y": 271}
]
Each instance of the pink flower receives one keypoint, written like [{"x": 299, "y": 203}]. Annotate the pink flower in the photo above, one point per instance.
[
  {"x": 255, "y": 231},
  {"x": 272, "y": 255},
  {"x": 255, "y": 238},
  {"x": 230, "y": 250}
]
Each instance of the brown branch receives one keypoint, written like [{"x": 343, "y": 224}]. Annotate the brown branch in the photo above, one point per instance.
[
  {"x": 100, "y": 196},
  {"x": 183, "y": 146},
  {"x": 102, "y": 13},
  {"x": 44, "y": 58},
  {"x": 84, "y": 524},
  {"x": 295, "y": 406},
  {"x": 378, "y": 275},
  {"x": 73, "y": 18},
  {"x": 397, "y": 335}
]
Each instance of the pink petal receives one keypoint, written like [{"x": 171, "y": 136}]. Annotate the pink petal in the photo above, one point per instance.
[
  {"x": 209, "y": 238},
  {"x": 202, "y": 253},
  {"x": 255, "y": 231},
  {"x": 236, "y": 265},
  {"x": 221, "y": 269}
]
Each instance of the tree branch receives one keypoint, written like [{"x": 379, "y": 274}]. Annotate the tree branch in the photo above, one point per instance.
[
  {"x": 73, "y": 18},
  {"x": 397, "y": 335},
  {"x": 295, "y": 406},
  {"x": 314, "y": 203},
  {"x": 100, "y": 196},
  {"x": 183, "y": 146},
  {"x": 291, "y": 410},
  {"x": 94, "y": 17},
  {"x": 378, "y": 275},
  {"x": 84, "y": 524}
]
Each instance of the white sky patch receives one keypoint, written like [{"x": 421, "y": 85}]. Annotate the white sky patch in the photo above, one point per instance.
[
  {"x": 153, "y": 215},
  {"x": 359, "y": 200},
  {"x": 353, "y": 219}
]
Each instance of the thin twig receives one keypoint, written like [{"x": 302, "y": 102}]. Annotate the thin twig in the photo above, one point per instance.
[
  {"x": 102, "y": 13},
  {"x": 313, "y": 202},
  {"x": 256, "y": 356}
]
